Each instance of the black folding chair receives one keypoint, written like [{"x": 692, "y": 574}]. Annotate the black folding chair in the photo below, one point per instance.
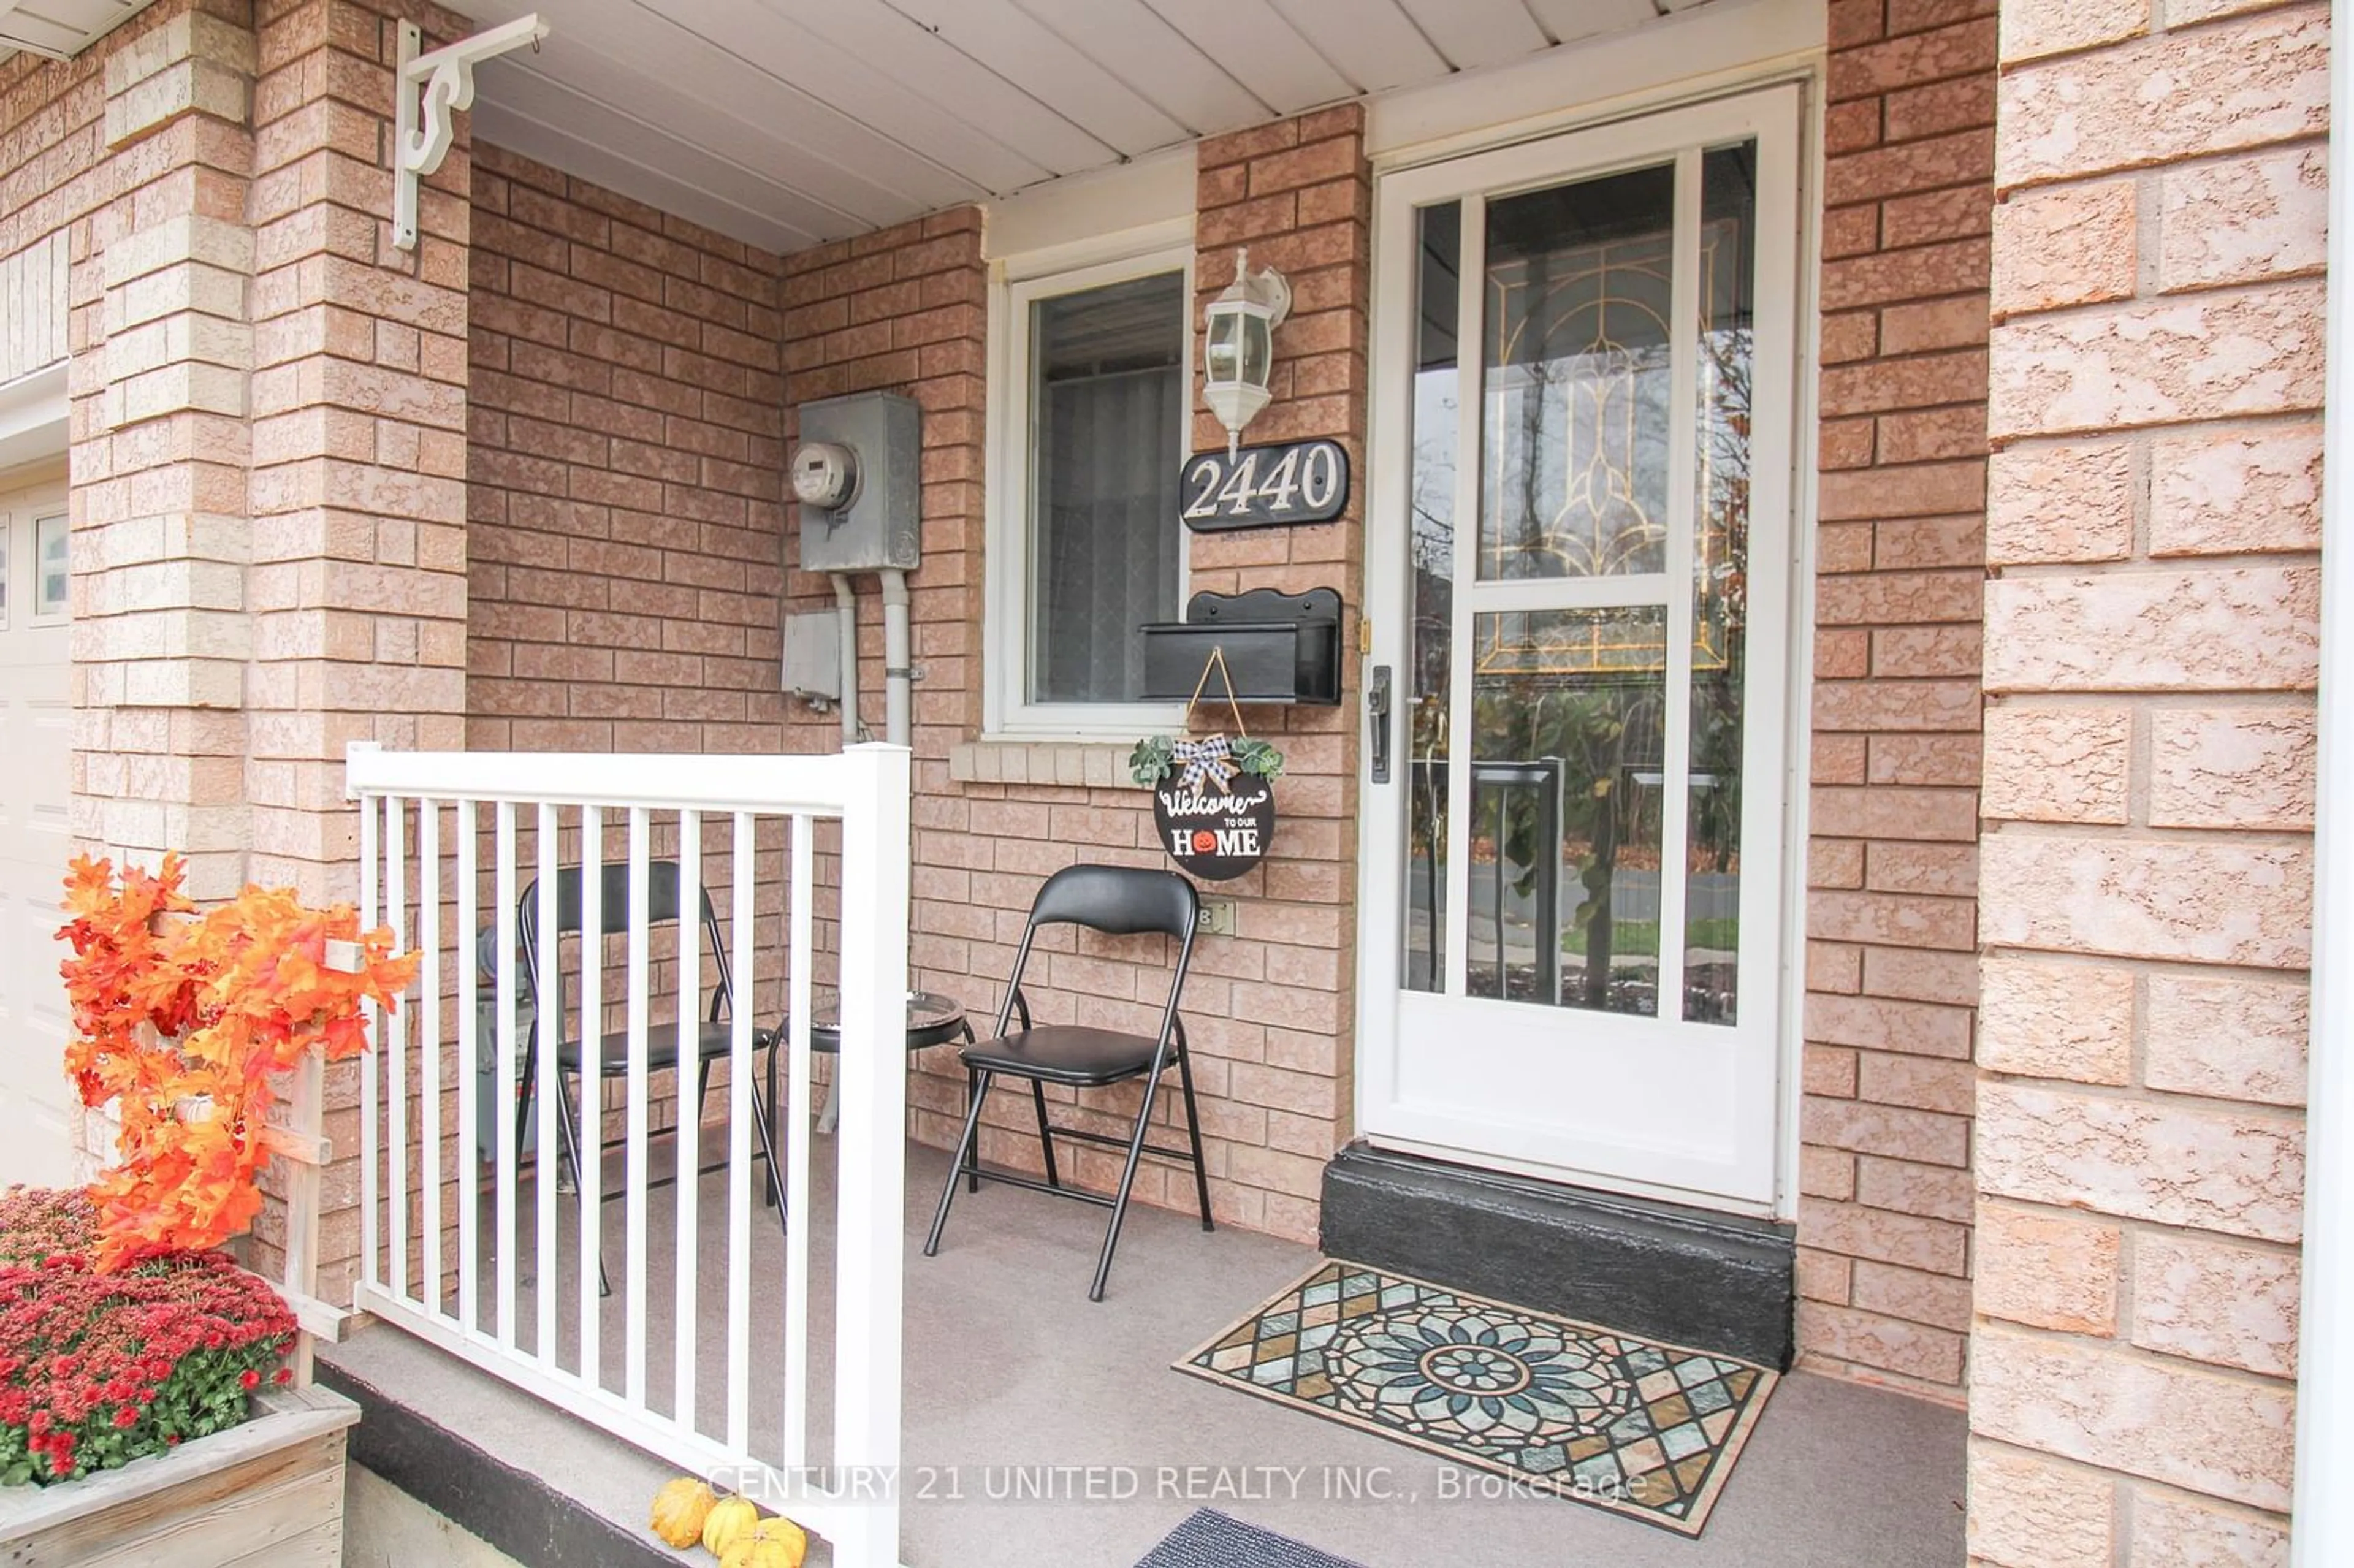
[
  {"x": 1118, "y": 901},
  {"x": 714, "y": 1038}
]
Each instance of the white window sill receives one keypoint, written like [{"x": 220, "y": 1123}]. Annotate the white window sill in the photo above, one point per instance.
[{"x": 1092, "y": 764}]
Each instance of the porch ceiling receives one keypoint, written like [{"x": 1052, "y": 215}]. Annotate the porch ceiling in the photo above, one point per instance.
[
  {"x": 788, "y": 123},
  {"x": 60, "y": 28}
]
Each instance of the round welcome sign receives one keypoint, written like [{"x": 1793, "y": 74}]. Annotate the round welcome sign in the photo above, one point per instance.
[{"x": 1215, "y": 831}]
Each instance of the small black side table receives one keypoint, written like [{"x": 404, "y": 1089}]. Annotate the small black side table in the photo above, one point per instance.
[{"x": 932, "y": 1020}]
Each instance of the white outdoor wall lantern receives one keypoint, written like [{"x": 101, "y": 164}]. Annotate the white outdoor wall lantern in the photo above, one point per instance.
[
  {"x": 426, "y": 90},
  {"x": 1239, "y": 354}
]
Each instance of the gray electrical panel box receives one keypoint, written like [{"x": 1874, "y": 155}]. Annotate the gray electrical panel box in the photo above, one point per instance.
[
  {"x": 812, "y": 656},
  {"x": 874, "y": 527}
]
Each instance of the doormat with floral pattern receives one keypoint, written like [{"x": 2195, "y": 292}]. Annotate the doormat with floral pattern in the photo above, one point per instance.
[{"x": 1640, "y": 1429}]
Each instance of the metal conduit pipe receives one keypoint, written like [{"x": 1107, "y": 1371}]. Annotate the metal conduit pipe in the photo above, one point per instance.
[
  {"x": 898, "y": 662},
  {"x": 845, "y": 600}
]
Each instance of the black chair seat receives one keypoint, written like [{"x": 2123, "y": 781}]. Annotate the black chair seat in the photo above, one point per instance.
[
  {"x": 1066, "y": 1053},
  {"x": 1117, "y": 901},
  {"x": 717, "y": 1041}
]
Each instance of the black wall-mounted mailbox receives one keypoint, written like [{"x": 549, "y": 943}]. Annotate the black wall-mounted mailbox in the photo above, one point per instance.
[{"x": 1279, "y": 648}]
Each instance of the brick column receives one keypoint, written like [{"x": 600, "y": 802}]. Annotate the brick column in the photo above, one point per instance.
[
  {"x": 1298, "y": 194},
  {"x": 1884, "y": 1210},
  {"x": 2150, "y": 656},
  {"x": 269, "y": 460},
  {"x": 357, "y": 586},
  {"x": 161, "y": 347}
]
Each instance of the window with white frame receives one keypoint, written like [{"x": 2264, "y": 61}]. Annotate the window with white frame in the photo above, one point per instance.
[
  {"x": 1090, "y": 401},
  {"x": 51, "y": 573}
]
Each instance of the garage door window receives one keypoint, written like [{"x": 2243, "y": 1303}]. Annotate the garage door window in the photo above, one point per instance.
[{"x": 50, "y": 570}]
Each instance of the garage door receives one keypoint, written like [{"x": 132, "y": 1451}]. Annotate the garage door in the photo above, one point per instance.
[{"x": 34, "y": 783}]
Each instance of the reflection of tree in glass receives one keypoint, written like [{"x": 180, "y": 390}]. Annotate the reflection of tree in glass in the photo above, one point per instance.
[
  {"x": 1427, "y": 685},
  {"x": 1720, "y": 608},
  {"x": 1606, "y": 728}
]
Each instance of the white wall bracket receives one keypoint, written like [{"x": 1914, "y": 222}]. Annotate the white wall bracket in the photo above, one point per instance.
[{"x": 427, "y": 90}]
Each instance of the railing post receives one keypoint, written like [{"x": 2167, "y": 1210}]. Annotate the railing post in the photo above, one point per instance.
[{"x": 872, "y": 1153}]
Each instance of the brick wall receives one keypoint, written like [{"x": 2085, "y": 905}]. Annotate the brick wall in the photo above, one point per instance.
[
  {"x": 624, "y": 468},
  {"x": 1269, "y": 1008},
  {"x": 268, "y": 555},
  {"x": 159, "y": 477},
  {"x": 148, "y": 771},
  {"x": 2149, "y": 662},
  {"x": 1891, "y": 977}
]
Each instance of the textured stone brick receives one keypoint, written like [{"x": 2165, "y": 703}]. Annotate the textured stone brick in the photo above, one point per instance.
[
  {"x": 1883, "y": 1023},
  {"x": 2177, "y": 95},
  {"x": 1950, "y": 758},
  {"x": 2239, "y": 491},
  {"x": 2240, "y": 628},
  {"x": 2048, "y": 1271},
  {"x": 1854, "y": 1231},
  {"x": 1911, "y": 974},
  {"x": 1893, "y": 919},
  {"x": 2173, "y": 1530},
  {"x": 2215, "y": 1302},
  {"x": 2202, "y": 356},
  {"x": 1932, "y": 215},
  {"x": 2029, "y": 1511},
  {"x": 1899, "y": 1345},
  {"x": 1937, "y": 1192},
  {"x": 2068, "y": 245},
  {"x": 2240, "y": 1173},
  {"x": 1899, "y": 1132},
  {"x": 2205, "y": 902},
  {"x": 2240, "y": 221},
  {"x": 1900, "y": 705},
  {"x": 1965, "y": 49},
  {"x": 2029, "y": 31},
  {"x": 1891, "y": 277},
  {"x": 1927, "y": 326},
  {"x": 2223, "y": 1436},
  {"x": 2057, "y": 764},
  {"x": 2226, "y": 1037},
  {"x": 2232, "y": 767},
  {"x": 2055, "y": 1021},
  {"x": 1914, "y": 490}
]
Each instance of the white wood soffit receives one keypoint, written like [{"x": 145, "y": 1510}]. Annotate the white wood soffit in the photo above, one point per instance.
[
  {"x": 785, "y": 124},
  {"x": 60, "y": 29}
]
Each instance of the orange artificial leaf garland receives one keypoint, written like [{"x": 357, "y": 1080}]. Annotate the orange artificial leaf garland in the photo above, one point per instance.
[{"x": 183, "y": 1019}]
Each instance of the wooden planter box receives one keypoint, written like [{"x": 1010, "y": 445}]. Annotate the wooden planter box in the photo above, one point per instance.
[{"x": 269, "y": 1492}]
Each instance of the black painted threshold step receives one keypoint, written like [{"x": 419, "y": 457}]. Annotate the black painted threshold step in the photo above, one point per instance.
[{"x": 1689, "y": 1276}]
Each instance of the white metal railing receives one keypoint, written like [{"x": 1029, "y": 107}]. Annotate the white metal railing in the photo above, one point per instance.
[{"x": 424, "y": 872}]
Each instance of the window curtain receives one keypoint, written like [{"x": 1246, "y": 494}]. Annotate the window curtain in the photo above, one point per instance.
[{"x": 1107, "y": 500}]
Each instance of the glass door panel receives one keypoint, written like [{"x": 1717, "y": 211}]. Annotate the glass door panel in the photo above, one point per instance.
[
  {"x": 1435, "y": 426},
  {"x": 1576, "y": 378},
  {"x": 1725, "y": 373},
  {"x": 1568, "y": 710},
  {"x": 1588, "y": 711}
]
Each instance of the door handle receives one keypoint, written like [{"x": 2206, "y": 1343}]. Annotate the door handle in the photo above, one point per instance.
[{"x": 1377, "y": 710}]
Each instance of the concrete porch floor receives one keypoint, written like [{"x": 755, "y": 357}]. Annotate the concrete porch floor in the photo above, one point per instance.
[{"x": 1011, "y": 1372}]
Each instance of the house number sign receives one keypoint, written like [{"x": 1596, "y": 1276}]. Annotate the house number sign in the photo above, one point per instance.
[{"x": 1265, "y": 487}]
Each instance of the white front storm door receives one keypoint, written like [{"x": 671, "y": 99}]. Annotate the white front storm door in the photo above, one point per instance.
[{"x": 1580, "y": 584}]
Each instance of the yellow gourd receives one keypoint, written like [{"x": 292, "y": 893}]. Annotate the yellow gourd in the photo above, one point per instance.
[
  {"x": 777, "y": 1543},
  {"x": 730, "y": 1521},
  {"x": 680, "y": 1509}
]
